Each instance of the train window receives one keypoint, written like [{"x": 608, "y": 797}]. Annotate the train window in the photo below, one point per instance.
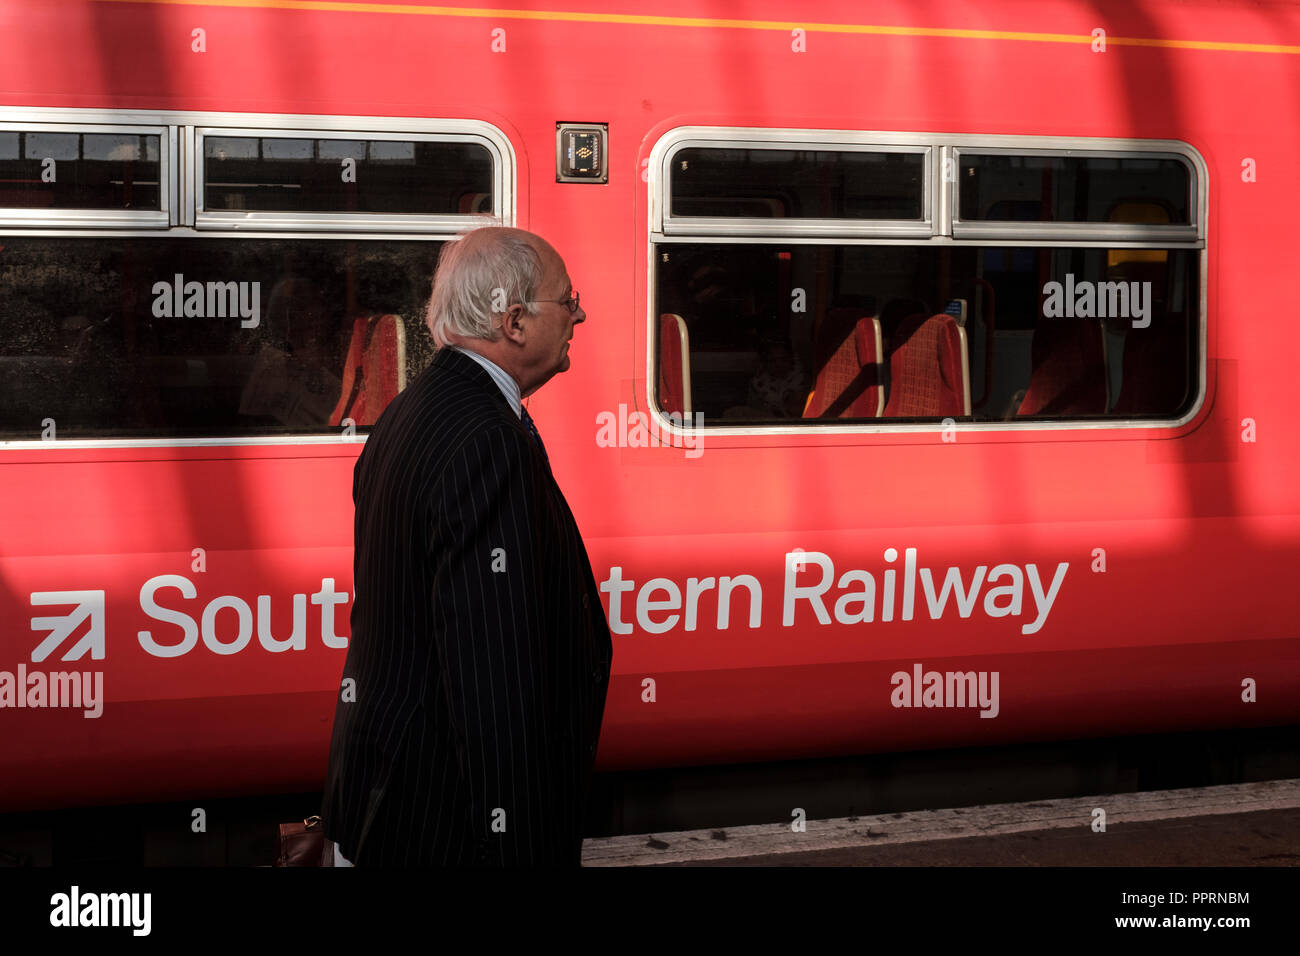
[
  {"x": 206, "y": 337},
  {"x": 315, "y": 174},
  {"x": 280, "y": 291},
  {"x": 895, "y": 333},
  {"x": 798, "y": 183},
  {"x": 1033, "y": 187},
  {"x": 1074, "y": 297},
  {"x": 47, "y": 170}
]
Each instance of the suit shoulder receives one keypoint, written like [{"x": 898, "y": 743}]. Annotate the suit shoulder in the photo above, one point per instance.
[
  {"x": 436, "y": 420},
  {"x": 469, "y": 391},
  {"x": 445, "y": 405}
]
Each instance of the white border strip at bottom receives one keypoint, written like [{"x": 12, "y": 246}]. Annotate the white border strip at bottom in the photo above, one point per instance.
[{"x": 955, "y": 824}]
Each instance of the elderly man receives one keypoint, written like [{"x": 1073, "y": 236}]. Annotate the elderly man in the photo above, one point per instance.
[{"x": 480, "y": 651}]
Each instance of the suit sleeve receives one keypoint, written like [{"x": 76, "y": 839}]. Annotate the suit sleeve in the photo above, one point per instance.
[{"x": 491, "y": 649}]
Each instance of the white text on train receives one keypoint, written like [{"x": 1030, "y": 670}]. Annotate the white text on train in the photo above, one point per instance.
[
  {"x": 856, "y": 602},
  {"x": 211, "y": 300},
  {"x": 326, "y": 599},
  {"x": 858, "y": 606}
]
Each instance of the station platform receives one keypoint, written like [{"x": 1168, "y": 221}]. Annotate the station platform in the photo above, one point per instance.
[{"x": 1253, "y": 824}]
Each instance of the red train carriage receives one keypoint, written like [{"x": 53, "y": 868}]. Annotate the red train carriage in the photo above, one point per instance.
[{"x": 937, "y": 388}]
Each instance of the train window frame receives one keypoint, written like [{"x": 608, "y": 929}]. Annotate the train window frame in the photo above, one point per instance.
[
  {"x": 14, "y": 217},
  {"x": 663, "y": 231},
  {"x": 180, "y": 196},
  {"x": 777, "y": 140},
  {"x": 1070, "y": 229},
  {"x": 396, "y": 223}
]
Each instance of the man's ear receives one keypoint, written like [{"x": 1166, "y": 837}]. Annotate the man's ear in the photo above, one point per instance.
[{"x": 512, "y": 323}]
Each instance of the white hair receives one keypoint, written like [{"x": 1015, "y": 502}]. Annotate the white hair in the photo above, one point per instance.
[{"x": 480, "y": 275}]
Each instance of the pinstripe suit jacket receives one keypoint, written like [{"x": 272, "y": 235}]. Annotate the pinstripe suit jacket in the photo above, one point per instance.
[{"x": 480, "y": 649}]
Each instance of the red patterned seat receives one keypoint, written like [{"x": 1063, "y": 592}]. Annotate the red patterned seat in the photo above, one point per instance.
[
  {"x": 1156, "y": 375},
  {"x": 674, "y": 365},
  {"x": 929, "y": 369},
  {"x": 847, "y": 354},
  {"x": 1068, "y": 376},
  {"x": 374, "y": 370}
]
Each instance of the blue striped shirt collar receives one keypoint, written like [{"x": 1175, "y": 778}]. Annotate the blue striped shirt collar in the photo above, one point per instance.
[{"x": 509, "y": 387}]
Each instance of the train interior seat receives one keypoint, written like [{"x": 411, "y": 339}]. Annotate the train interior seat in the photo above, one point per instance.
[
  {"x": 1154, "y": 378},
  {"x": 929, "y": 369},
  {"x": 476, "y": 204},
  {"x": 848, "y": 356},
  {"x": 1068, "y": 370},
  {"x": 674, "y": 390},
  {"x": 374, "y": 370}
]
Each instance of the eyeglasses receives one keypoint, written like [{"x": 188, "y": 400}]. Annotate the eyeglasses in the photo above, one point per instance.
[{"x": 571, "y": 302}]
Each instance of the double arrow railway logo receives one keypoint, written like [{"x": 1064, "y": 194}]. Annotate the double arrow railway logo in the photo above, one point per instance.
[{"x": 89, "y": 606}]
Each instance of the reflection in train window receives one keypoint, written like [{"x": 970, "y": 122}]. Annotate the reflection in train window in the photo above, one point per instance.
[
  {"x": 296, "y": 174},
  {"x": 156, "y": 337},
  {"x": 798, "y": 183},
  {"x": 795, "y": 333},
  {"x": 40, "y": 169},
  {"x": 1029, "y": 188}
]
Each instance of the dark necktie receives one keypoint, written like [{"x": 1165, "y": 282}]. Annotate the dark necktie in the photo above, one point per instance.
[{"x": 532, "y": 430}]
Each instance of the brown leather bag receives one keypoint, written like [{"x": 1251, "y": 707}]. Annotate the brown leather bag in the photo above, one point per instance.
[{"x": 304, "y": 844}]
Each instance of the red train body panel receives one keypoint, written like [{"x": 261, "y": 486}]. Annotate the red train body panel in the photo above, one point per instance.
[{"x": 1200, "y": 529}]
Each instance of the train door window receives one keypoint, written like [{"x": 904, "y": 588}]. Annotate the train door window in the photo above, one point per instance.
[
  {"x": 104, "y": 176},
  {"x": 1020, "y": 319},
  {"x": 406, "y": 184},
  {"x": 301, "y": 329}
]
